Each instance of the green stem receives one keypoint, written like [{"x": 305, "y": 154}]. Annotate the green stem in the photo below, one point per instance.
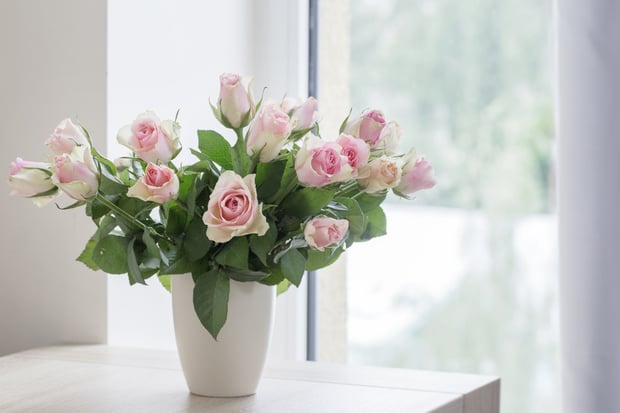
[
  {"x": 239, "y": 146},
  {"x": 121, "y": 213}
]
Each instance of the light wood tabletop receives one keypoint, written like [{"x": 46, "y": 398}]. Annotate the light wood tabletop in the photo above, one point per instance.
[{"x": 109, "y": 379}]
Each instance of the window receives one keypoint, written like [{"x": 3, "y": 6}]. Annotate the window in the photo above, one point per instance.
[{"x": 466, "y": 278}]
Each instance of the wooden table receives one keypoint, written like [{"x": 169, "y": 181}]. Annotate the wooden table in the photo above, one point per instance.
[{"x": 106, "y": 379}]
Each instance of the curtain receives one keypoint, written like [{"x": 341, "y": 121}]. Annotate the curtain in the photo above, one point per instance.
[{"x": 588, "y": 122}]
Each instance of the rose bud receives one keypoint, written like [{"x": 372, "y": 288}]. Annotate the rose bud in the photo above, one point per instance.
[
  {"x": 304, "y": 114},
  {"x": 268, "y": 132},
  {"x": 322, "y": 232},
  {"x": 158, "y": 184},
  {"x": 76, "y": 174},
  {"x": 235, "y": 106},
  {"x": 380, "y": 173},
  {"x": 368, "y": 127},
  {"x": 66, "y": 137},
  {"x": 152, "y": 140},
  {"x": 28, "y": 179},
  {"x": 319, "y": 163},
  {"x": 418, "y": 174}
]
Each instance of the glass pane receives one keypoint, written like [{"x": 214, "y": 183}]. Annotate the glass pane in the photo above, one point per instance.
[{"x": 466, "y": 279}]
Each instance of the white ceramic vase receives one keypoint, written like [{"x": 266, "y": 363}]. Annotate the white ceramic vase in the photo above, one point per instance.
[{"x": 233, "y": 365}]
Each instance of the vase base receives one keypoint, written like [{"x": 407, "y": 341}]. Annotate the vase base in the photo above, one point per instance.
[{"x": 220, "y": 396}]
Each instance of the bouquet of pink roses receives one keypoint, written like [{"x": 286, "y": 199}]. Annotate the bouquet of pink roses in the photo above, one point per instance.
[{"x": 277, "y": 203}]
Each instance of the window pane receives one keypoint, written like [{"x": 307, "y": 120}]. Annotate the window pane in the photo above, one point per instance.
[{"x": 466, "y": 278}]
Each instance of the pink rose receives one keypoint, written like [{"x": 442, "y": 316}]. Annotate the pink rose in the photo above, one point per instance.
[
  {"x": 151, "y": 139},
  {"x": 322, "y": 232},
  {"x": 380, "y": 173},
  {"x": 235, "y": 106},
  {"x": 268, "y": 132},
  {"x": 76, "y": 174},
  {"x": 158, "y": 184},
  {"x": 319, "y": 163},
  {"x": 356, "y": 150},
  {"x": 28, "y": 179},
  {"x": 233, "y": 209},
  {"x": 418, "y": 174},
  {"x": 389, "y": 139},
  {"x": 304, "y": 114},
  {"x": 66, "y": 136},
  {"x": 367, "y": 127}
]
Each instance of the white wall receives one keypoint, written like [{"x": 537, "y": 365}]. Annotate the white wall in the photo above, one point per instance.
[
  {"x": 168, "y": 55},
  {"x": 103, "y": 63},
  {"x": 52, "y": 66}
]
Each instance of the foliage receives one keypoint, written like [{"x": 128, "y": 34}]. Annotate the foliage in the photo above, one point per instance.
[{"x": 276, "y": 203}]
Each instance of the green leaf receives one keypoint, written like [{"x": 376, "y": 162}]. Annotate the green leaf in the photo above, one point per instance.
[
  {"x": 275, "y": 277},
  {"x": 216, "y": 147},
  {"x": 107, "y": 224},
  {"x": 307, "y": 201},
  {"x": 135, "y": 276},
  {"x": 353, "y": 213},
  {"x": 261, "y": 245},
  {"x": 164, "y": 280},
  {"x": 134, "y": 206},
  {"x": 73, "y": 205},
  {"x": 376, "y": 224},
  {"x": 49, "y": 192},
  {"x": 86, "y": 256},
  {"x": 242, "y": 275},
  {"x": 317, "y": 259},
  {"x": 186, "y": 186},
  {"x": 345, "y": 121},
  {"x": 211, "y": 300},
  {"x": 151, "y": 247},
  {"x": 268, "y": 177},
  {"x": 200, "y": 156},
  {"x": 176, "y": 220},
  {"x": 234, "y": 254},
  {"x": 110, "y": 184},
  {"x": 196, "y": 244},
  {"x": 95, "y": 209},
  {"x": 110, "y": 254},
  {"x": 288, "y": 181},
  {"x": 368, "y": 202},
  {"x": 180, "y": 265},
  {"x": 283, "y": 287},
  {"x": 293, "y": 265}
]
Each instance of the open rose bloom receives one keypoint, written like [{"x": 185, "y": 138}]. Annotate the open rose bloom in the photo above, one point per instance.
[
  {"x": 234, "y": 209},
  {"x": 269, "y": 196}
]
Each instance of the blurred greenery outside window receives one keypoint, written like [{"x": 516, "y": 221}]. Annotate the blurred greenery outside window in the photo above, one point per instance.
[{"x": 466, "y": 278}]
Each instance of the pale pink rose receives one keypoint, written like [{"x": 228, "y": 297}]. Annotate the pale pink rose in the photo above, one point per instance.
[
  {"x": 152, "y": 140},
  {"x": 66, "y": 136},
  {"x": 389, "y": 139},
  {"x": 268, "y": 132},
  {"x": 158, "y": 184},
  {"x": 304, "y": 114},
  {"x": 122, "y": 163},
  {"x": 356, "y": 150},
  {"x": 322, "y": 232},
  {"x": 28, "y": 179},
  {"x": 368, "y": 126},
  {"x": 289, "y": 104},
  {"x": 380, "y": 173},
  {"x": 233, "y": 209},
  {"x": 235, "y": 105},
  {"x": 320, "y": 162},
  {"x": 417, "y": 173},
  {"x": 76, "y": 174}
]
